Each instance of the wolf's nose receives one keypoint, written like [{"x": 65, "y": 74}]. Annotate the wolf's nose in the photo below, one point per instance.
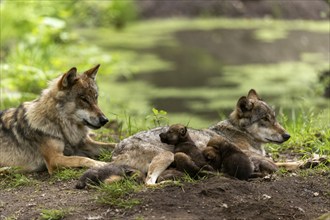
[
  {"x": 286, "y": 136},
  {"x": 103, "y": 120}
]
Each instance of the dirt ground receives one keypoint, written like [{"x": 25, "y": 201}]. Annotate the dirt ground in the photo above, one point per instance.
[{"x": 280, "y": 197}]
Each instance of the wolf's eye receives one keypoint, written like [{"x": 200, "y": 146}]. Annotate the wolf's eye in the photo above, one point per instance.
[
  {"x": 266, "y": 119},
  {"x": 84, "y": 99}
]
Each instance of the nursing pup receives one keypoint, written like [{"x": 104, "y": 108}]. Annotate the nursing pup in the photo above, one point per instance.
[
  {"x": 187, "y": 156},
  {"x": 226, "y": 157}
]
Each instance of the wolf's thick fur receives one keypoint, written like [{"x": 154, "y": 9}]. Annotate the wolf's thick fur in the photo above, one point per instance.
[
  {"x": 52, "y": 131},
  {"x": 108, "y": 174},
  {"x": 250, "y": 125},
  {"x": 226, "y": 157},
  {"x": 187, "y": 156}
]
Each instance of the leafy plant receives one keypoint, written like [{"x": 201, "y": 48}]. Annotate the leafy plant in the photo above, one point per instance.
[{"x": 158, "y": 117}]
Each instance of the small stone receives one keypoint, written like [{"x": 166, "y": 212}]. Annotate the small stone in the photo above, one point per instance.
[{"x": 265, "y": 196}]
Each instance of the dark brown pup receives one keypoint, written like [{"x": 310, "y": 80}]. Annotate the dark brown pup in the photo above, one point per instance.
[
  {"x": 226, "y": 157},
  {"x": 187, "y": 156}
]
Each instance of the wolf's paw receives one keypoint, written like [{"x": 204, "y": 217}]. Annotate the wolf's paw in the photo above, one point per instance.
[
  {"x": 263, "y": 165},
  {"x": 100, "y": 164},
  {"x": 314, "y": 162}
]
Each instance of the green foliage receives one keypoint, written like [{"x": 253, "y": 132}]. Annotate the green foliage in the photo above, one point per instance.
[
  {"x": 122, "y": 12},
  {"x": 158, "y": 117},
  {"x": 53, "y": 214},
  {"x": 105, "y": 155},
  {"x": 115, "y": 13},
  {"x": 118, "y": 194},
  {"x": 35, "y": 50},
  {"x": 66, "y": 174},
  {"x": 310, "y": 134},
  {"x": 14, "y": 180}
]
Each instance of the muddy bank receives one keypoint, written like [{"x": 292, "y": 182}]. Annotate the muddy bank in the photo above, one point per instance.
[
  {"x": 279, "y": 9},
  {"x": 281, "y": 197}
]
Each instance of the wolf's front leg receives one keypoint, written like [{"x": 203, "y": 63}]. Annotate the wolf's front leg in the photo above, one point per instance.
[
  {"x": 52, "y": 151},
  {"x": 158, "y": 164}
]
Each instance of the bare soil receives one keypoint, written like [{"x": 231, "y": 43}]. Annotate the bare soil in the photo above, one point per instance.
[{"x": 288, "y": 196}]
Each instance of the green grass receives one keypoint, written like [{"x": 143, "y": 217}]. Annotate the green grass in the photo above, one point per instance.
[
  {"x": 54, "y": 214},
  {"x": 310, "y": 134},
  {"x": 15, "y": 180},
  {"x": 119, "y": 194},
  {"x": 66, "y": 174}
]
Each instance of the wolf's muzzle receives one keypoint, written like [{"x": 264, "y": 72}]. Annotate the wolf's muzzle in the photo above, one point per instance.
[
  {"x": 103, "y": 120},
  {"x": 286, "y": 136}
]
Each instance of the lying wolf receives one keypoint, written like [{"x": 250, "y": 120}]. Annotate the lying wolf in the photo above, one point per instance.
[
  {"x": 251, "y": 124},
  {"x": 187, "y": 156},
  {"x": 52, "y": 131}
]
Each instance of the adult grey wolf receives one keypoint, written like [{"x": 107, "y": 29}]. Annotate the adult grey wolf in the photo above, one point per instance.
[
  {"x": 52, "y": 131},
  {"x": 187, "y": 156},
  {"x": 251, "y": 124}
]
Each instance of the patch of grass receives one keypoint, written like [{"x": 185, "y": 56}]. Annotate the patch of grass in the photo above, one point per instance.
[
  {"x": 66, "y": 174},
  {"x": 321, "y": 169},
  {"x": 310, "y": 135},
  {"x": 105, "y": 155},
  {"x": 14, "y": 180},
  {"x": 54, "y": 214},
  {"x": 118, "y": 194},
  {"x": 282, "y": 171}
]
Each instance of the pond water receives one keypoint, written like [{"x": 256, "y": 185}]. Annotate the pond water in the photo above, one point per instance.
[{"x": 208, "y": 70}]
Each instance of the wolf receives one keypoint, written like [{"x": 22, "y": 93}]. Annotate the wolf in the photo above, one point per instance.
[
  {"x": 108, "y": 174},
  {"x": 53, "y": 130},
  {"x": 251, "y": 124},
  {"x": 226, "y": 157},
  {"x": 187, "y": 156}
]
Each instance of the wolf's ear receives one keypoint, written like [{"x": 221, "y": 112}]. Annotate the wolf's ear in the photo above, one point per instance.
[
  {"x": 243, "y": 105},
  {"x": 183, "y": 131},
  {"x": 253, "y": 95},
  {"x": 68, "y": 79},
  {"x": 91, "y": 73}
]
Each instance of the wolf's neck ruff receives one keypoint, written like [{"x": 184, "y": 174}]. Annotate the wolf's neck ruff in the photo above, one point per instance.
[{"x": 55, "y": 123}]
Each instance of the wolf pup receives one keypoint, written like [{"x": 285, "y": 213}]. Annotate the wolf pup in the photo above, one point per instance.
[
  {"x": 187, "y": 156},
  {"x": 52, "y": 131},
  {"x": 226, "y": 157},
  {"x": 108, "y": 174}
]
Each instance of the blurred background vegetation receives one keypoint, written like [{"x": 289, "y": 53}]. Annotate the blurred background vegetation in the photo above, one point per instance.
[{"x": 172, "y": 61}]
